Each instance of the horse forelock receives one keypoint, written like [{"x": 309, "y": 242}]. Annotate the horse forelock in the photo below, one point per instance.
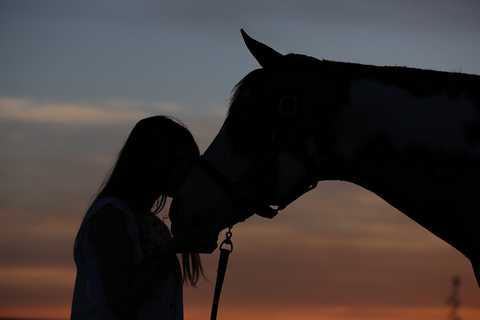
[{"x": 247, "y": 117}]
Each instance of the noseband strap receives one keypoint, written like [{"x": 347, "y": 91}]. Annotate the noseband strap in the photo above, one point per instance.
[
  {"x": 217, "y": 176},
  {"x": 228, "y": 187},
  {"x": 265, "y": 210}
]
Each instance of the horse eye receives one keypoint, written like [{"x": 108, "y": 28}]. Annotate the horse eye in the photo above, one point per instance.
[{"x": 287, "y": 106}]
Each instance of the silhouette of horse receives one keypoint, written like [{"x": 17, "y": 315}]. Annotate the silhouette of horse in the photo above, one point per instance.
[{"x": 410, "y": 136}]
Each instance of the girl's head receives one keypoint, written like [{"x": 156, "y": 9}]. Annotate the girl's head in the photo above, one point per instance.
[
  {"x": 152, "y": 165},
  {"x": 154, "y": 159}
]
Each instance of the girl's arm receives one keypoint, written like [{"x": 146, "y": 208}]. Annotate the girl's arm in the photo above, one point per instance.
[{"x": 114, "y": 252}]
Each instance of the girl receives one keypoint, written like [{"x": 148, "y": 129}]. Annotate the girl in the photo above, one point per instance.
[{"x": 126, "y": 260}]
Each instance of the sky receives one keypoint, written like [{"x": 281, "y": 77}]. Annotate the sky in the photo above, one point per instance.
[{"x": 76, "y": 76}]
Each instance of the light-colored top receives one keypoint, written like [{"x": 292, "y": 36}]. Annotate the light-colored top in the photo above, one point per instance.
[{"x": 89, "y": 299}]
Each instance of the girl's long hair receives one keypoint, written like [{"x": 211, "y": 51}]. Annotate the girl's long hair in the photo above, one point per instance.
[{"x": 133, "y": 171}]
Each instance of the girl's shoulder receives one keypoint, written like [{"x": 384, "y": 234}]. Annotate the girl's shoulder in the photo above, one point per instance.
[
  {"x": 107, "y": 215},
  {"x": 112, "y": 221},
  {"x": 108, "y": 222}
]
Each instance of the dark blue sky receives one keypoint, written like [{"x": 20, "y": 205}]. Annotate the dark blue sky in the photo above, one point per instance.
[{"x": 191, "y": 53}]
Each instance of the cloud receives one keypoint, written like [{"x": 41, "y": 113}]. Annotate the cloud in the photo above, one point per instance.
[
  {"x": 27, "y": 110},
  {"x": 22, "y": 278},
  {"x": 17, "y": 112}
]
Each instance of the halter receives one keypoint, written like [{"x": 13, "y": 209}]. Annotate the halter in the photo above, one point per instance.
[
  {"x": 265, "y": 210},
  {"x": 286, "y": 108},
  {"x": 231, "y": 188}
]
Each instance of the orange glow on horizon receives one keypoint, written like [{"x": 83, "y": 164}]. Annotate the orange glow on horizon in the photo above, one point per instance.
[
  {"x": 36, "y": 312},
  {"x": 332, "y": 313},
  {"x": 286, "y": 313}
]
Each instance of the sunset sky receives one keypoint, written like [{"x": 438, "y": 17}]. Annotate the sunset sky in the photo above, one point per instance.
[{"x": 76, "y": 75}]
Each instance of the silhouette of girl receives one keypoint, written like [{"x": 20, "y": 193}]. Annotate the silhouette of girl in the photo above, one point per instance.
[{"x": 126, "y": 260}]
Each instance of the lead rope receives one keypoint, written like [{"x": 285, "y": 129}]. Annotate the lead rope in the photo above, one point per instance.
[{"x": 226, "y": 247}]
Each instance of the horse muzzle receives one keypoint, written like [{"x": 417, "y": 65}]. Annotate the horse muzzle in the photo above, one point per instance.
[{"x": 191, "y": 235}]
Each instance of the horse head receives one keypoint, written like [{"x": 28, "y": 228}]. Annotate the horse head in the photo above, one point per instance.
[{"x": 266, "y": 154}]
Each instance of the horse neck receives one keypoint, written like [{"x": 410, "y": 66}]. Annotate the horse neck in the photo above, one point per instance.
[{"x": 418, "y": 152}]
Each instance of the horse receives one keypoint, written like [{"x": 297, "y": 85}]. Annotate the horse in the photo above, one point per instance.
[{"x": 411, "y": 136}]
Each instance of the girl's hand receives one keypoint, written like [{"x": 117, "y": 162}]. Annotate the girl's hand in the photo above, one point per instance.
[{"x": 195, "y": 242}]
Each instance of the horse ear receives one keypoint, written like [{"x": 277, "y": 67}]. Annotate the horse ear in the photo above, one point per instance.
[{"x": 265, "y": 55}]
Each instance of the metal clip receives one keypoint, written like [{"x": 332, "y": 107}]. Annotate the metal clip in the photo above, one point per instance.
[{"x": 227, "y": 243}]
